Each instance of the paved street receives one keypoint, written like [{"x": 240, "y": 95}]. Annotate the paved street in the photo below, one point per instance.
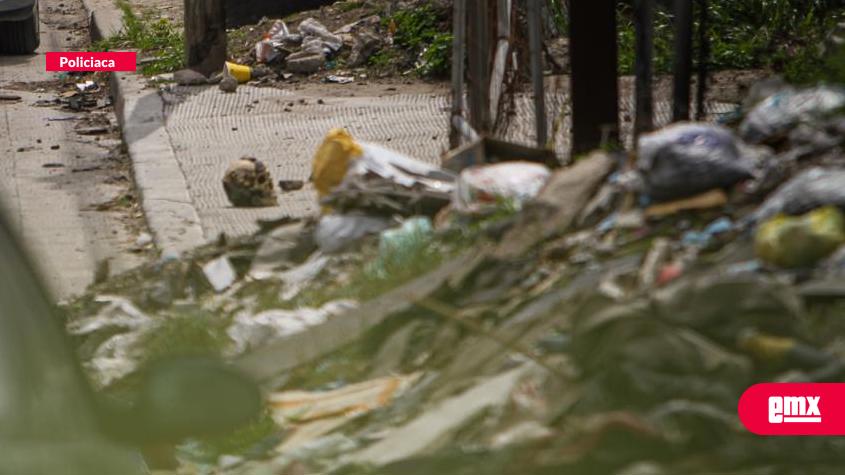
[{"x": 53, "y": 180}]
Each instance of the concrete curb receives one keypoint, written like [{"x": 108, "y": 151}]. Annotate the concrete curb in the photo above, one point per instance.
[{"x": 171, "y": 215}]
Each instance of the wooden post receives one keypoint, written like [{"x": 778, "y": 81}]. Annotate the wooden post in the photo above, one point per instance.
[
  {"x": 535, "y": 47},
  {"x": 703, "y": 59},
  {"x": 595, "y": 91},
  {"x": 500, "y": 57},
  {"x": 644, "y": 24},
  {"x": 682, "y": 60},
  {"x": 479, "y": 59},
  {"x": 459, "y": 30},
  {"x": 205, "y": 35}
]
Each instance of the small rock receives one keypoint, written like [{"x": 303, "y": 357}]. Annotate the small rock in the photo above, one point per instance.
[
  {"x": 189, "y": 77},
  {"x": 305, "y": 63},
  {"x": 55, "y": 147},
  {"x": 228, "y": 84},
  {"x": 143, "y": 240},
  {"x": 291, "y": 185}
]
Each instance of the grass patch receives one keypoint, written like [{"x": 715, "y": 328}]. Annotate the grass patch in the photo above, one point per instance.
[
  {"x": 152, "y": 36},
  {"x": 192, "y": 332}
]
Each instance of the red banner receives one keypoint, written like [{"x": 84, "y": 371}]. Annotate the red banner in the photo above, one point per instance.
[
  {"x": 794, "y": 409},
  {"x": 83, "y": 61}
]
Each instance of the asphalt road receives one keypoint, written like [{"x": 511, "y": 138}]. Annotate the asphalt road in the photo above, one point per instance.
[{"x": 68, "y": 195}]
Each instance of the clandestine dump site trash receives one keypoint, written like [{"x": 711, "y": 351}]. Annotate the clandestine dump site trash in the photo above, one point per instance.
[{"x": 450, "y": 238}]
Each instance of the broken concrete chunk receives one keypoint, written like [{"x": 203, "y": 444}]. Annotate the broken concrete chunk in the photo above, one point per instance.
[
  {"x": 305, "y": 63},
  {"x": 228, "y": 84},
  {"x": 364, "y": 45},
  {"x": 220, "y": 273},
  {"x": 189, "y": 77}
]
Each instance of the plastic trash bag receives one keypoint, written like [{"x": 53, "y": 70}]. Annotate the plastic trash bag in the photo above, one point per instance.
[
  {"x": 790, "y": 242},
  {"x": 688, "y": 159},
  {"x": 806, "y": 191},
  {"x": 773, "y": 118},
  {"x": 485, "y": 187},
  {"x": 311, "y": 27},
  {"x": 362, "y": 175},
  {"x": 398, "y": 247},
  {"x": 337, "y": 232}
]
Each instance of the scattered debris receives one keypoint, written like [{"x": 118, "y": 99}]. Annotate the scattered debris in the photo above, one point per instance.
[
  {"x": 220, "y": 273},
  {"x": 340, "y": 79}
]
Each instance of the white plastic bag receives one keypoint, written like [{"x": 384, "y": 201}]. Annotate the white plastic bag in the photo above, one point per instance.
[{"x": 485, "y": 187}]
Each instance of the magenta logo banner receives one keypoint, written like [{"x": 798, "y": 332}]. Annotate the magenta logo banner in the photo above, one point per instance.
[
  {"x": 84, "y": 61},
  {"x": 794, "y": 409}
]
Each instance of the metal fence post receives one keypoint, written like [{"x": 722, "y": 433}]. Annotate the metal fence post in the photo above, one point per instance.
[
  {"x": 535, "y": 38},
  {"x": 644, "y": 23},
  {"x": 703, "y": 59},
  {"x": 682, "y": 60},
  {"x": 459, "y": 29},
  {"x": 593, "y": 53}
]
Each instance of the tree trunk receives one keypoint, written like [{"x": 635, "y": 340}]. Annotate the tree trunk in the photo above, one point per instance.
[{"x": 205, "y": 35}]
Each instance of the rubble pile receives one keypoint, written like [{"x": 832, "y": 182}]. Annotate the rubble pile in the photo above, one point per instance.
[
  {"x": 599, "y": 318},
  {"x": 345, "y": 42}
]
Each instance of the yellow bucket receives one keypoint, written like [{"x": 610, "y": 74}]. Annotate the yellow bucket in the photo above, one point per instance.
[{"x": 239, "y": 71}]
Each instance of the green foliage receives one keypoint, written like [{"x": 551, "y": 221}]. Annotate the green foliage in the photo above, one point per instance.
[
  {"x": 436, "y": 59},
  {"x": 190, "y": 333},
  {"x": 419, "y": 31},
  {"x": 152, "y": 36},
  {"x": 782, "y": 35},
  {"x": 248, "y": 440}
]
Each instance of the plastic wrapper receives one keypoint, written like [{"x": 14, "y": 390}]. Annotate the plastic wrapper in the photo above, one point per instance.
[
  {"x": 312, "y": 28},
  {"x": 400, "y": 247},
  {"x": 349, "y": 174},
  {"x": 337, "y": 232},
  {"x": 773, "y": 118},
  {"x": 808, "y": 190},
  {"x": 687, "y": 159},
  {"x": 791, "y": 242},
  {"x": 483, "y": 188}
]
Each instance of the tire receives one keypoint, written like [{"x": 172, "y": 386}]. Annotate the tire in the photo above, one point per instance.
[{"x": 20, "y": 37}]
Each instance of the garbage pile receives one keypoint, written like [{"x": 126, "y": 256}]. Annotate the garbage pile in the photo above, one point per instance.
[{"x": 507, "y": 318}]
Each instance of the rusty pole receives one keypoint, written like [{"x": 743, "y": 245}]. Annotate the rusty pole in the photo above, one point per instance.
[{"x": 459, "y": 29}]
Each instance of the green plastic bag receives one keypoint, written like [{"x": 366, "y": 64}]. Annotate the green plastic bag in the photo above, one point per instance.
[{"x": 790, "y": 241}]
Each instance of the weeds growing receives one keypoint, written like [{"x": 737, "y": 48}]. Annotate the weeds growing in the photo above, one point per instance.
[{"x": 154, "y": 37}]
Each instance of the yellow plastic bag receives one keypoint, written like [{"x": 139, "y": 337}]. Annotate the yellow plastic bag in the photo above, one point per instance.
[
  {"x": 331, "y": 162},
  {"x": 788, "y": 241}
]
